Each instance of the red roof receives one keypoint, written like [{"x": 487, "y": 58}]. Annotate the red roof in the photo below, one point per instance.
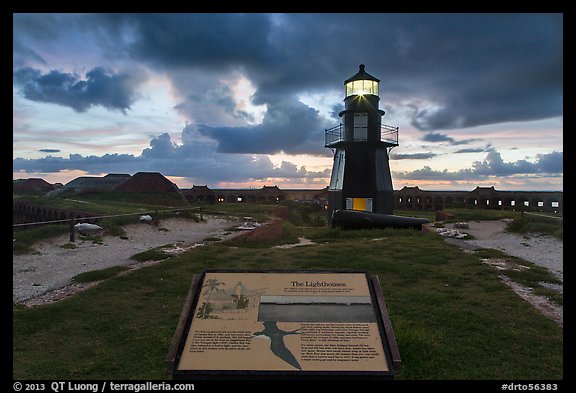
[{"x": 147, "y": 182}]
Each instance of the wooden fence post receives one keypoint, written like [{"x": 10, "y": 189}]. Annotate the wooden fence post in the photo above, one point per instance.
[{"x": 71, "y": 224}]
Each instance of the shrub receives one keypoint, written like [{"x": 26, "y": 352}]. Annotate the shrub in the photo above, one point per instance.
[
  {"x": 98, "y": 275},
  {"x": 155, "y": 254}
]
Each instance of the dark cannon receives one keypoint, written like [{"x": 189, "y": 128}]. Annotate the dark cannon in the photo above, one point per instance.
[{"x": 354, "y": 219}]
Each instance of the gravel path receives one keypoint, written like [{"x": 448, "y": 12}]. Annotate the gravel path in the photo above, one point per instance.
[
  {"x": 545, "y": 251},
  {"x": 53, "y": 266}
]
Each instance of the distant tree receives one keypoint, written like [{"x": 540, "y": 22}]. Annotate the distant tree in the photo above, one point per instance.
[{"x": 211, "y": 285}]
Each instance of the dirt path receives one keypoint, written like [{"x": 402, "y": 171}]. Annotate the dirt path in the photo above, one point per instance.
[
  {"x": 53, "y": 266},
  {"x": 545, "y": 251}
]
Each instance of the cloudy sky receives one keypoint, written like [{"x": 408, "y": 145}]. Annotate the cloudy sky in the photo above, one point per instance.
[{"x": 242, "y": 100}]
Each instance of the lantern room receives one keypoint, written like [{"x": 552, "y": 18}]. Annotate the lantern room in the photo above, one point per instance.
[{"x": 361, "y": 84}]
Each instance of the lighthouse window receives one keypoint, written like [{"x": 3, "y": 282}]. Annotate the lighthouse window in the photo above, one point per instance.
[
  {"x": 360, "y": 126},
  {"x": 337, "y": 179},
  {"x": 361, "y": 87}
]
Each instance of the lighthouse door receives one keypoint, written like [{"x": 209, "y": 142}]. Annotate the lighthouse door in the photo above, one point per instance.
[{"x": 360, "y": 127}]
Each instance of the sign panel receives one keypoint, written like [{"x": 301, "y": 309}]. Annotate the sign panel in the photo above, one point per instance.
[{"x": 300, "y": 323}]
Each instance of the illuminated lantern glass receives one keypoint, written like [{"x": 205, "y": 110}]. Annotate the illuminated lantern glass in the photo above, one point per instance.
[{"x": 361, "y": 87}]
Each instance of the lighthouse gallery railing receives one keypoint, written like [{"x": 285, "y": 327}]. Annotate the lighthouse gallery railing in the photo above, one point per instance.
[{"x": 334, "y": 135}]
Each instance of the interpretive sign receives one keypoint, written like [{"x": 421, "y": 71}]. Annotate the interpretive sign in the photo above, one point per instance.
[{"x": 250, "y": 324}]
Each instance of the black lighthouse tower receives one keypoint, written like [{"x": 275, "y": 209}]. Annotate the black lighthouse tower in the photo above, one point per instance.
[{"x": 361, "y": 179}]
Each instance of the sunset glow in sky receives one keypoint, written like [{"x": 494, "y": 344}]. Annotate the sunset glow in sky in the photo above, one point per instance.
[{"x": 242, "y": 100}]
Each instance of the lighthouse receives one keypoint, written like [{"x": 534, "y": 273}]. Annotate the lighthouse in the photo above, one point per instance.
[{"x": 361, "y": 179}]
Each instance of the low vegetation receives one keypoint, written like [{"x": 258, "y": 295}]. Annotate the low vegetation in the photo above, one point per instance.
[
  {"x": 467, "y": 214},
  {"x": 238, "y": 211},
  {"x": 520, "y": 222},
  {"x": 306, "y": 214},
  {"x": 453, "y": 318},
  {"x": 526, "y": 274},
  {"x": 154, "y": 254},
  {"x": 24, "y": 239},
  {"x": 538, "y": 223},
  {"x": 211, "y": 239},
  {"x": 120, "y": 213},
  {"x": 98, "y": 275},
  {"x": 109, "y": 202}
]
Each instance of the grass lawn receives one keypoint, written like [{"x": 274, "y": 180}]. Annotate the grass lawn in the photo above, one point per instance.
[
  {"x": 124, "y": 212},
  {"x": 108, "y": 203},
  {"x": 452, "y": 316}
]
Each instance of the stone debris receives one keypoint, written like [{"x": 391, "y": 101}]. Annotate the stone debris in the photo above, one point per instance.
[
  {"x": 146, "y": 218},
  {"x": 177, "y": 249},
  {"x": 451, "y": 233},
  {"x": 555, "y": 287},
  {"x": 86, "y": 229},
  {"x": 541, "y": 303},
  {"x": 59, "y": 294},
  {"x": 504, "y": 264},
  {"x": 302, "y": 241},
  {"x": 249, "y": 224}
]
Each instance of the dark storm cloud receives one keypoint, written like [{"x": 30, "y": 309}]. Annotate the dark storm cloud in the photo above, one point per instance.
[
  {"x": 287, "y": 126},
  {"x": 493, "y": 165},
  {"x": 436, "y": 137},
  {"x": 222, "y": 41},
  {"x": 281, "y": 54},
  {"x": 486, "y": 68},
  {"x": 161, "y": 147},
  {"x": 475, "y": 149},
  {"x": 112, "y": 91},
  {"x": 448, "y": 70},
  {"x": 42, "y": 27},
  {"x": 207, "y": 97},
  {"x": 413, "y": 156},
  {"x": 427, "y": 173},
  {"x": 252, "y": 44},
  {"x": 552, "y": 162},
  {"x": 474, "y": 69},
  {"x": 23, "y": 55},
  {"x": 91, "y": 164},
  {"x": 458, "y": 70},
  {"x": 194, "y": 159},
  {"x": 469, "y": 70}
]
